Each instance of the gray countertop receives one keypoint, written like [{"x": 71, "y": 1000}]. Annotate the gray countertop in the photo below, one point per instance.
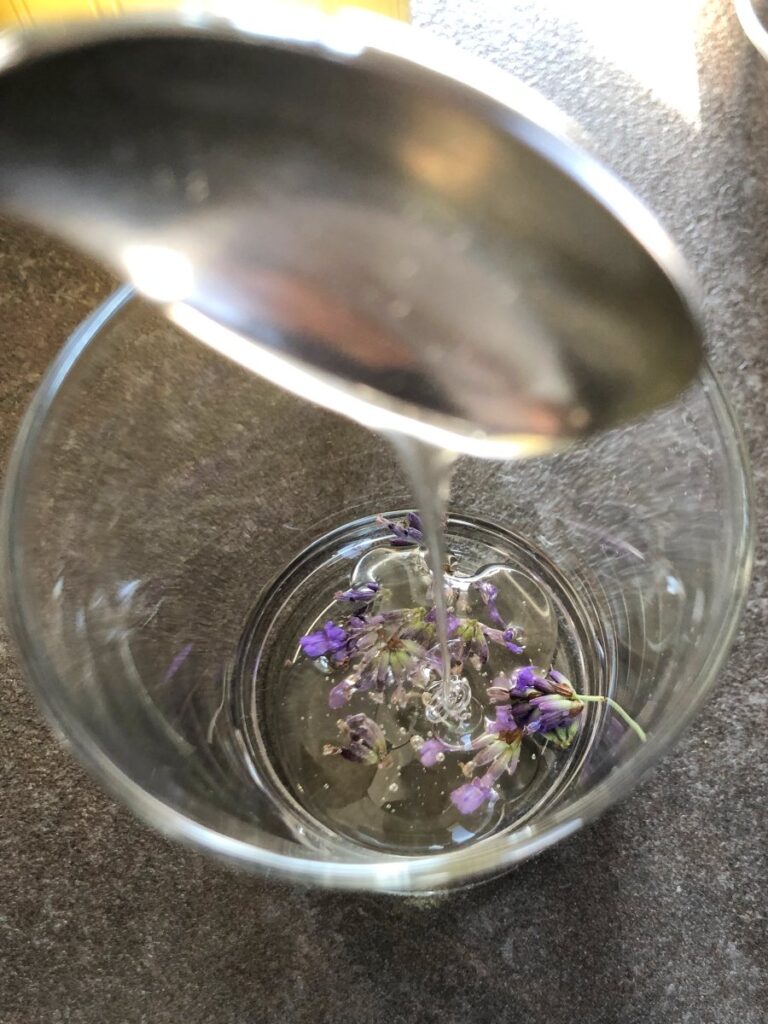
[{"x": 657, "y": 914}]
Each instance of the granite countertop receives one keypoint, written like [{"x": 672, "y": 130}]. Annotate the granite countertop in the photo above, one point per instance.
[{"x": 657, "y": 913}]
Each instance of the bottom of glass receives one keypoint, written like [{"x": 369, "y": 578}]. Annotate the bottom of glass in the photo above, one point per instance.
[{"x": 283, "y": 725}]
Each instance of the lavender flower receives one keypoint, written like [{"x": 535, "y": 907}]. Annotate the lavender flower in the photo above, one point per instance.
[
  {"x": 451, "y": 620},
  {"x": 473, "y": 642},
  {"x": 403, "y": 532},
  {"x": 511, "y": 637},
  {"x": 565, "y": 685},
  {"x": 387, "y": 650},
  {"x": 341, "y": 694},
  {"x": 527, "y": 678},
  {"x": 523, "y": 684},
  {"x": 364, "y": 592},
  {"x": 433, "y": 752},
  {"x": 508, "y": 635},
  {"x": 538, "y": 703},
  {"x": 498, "y": 747},
  {"x": 488, "y": 594},
  {"x": 508, "y": 718},
  {"x": 362, "y": 741},
  {"x": 545, "y": 703},
  {"x": 552, "y": 711},
  {"x": 497, "y": 750},
  {"x": 331, "y": 639},
  {"x": 471, "y": 796}
]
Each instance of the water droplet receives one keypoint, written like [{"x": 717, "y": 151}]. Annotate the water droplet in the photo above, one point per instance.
[
  {"x": 393, "y": 787},
  {"x": 440, "y": 757}
]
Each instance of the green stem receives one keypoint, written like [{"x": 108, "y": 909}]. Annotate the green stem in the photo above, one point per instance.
[{"x": 618, "y": 709}]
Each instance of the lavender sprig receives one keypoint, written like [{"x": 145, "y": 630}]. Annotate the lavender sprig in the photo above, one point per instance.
[
  {"x": 508, "y": 635},
  {"x": 362, "y": 741},
  {"x": 388, "y": 651},
  {"x": 488, "y": 594},
  {"x": 364, "y": 592},
  {"x": 529, "y": 702},
  {"x": 403, "y": 532},
  {"x": 331, "y": 639}
]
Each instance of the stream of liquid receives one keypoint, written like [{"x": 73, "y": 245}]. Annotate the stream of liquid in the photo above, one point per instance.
[{"x": 429, "y": 469}]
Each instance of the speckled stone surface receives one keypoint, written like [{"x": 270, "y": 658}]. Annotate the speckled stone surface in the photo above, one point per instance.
[{"x": 657, "y": 914}]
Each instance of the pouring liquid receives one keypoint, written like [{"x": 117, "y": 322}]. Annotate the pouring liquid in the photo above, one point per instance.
[{"x": 428, "y": 470}]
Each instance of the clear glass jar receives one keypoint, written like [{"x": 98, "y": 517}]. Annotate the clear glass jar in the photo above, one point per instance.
[{"x": 157, "y": 491}]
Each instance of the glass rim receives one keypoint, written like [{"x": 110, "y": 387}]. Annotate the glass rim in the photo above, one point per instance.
[
  {"x": 753, "y": 26},
  {"x": 383, "y": 872}
]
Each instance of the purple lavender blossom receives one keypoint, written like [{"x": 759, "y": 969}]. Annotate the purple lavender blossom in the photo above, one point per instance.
[
  {"x": 563, "y": 685},
  {"x": 531, "y": 677},
  {"x": 517, "y": 686},
  {"x": 504, "y": 720},
  {"x": 512, "y": 640},
  {"x": 526, "y": 676},
  {"x": 508, "y": 635},
  {"x": 471, "y": 796},
  {"x": 509, "y": 638},
  {"x": 539, "y": 702},
  {"x": 552, "y": 711},
  {"x": 364, "y": 592},
  {"x": 488, "y": 594},
  {"x": 430, "y": 752},
  {"x": 341, "y": 693},
  {"x": 393, "y": 655},
  {"x": 404, "y": 532},
  {"x": 331, "y": 639},
  {"x": 451, "y": 620},
  {"x": 386, "y": 650},
  {"x": 362, "y": 741},
  {"x": 496, "y": 751},
  {"x": 474, "y": 644},
  {"x": 524, "y": 683}
]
